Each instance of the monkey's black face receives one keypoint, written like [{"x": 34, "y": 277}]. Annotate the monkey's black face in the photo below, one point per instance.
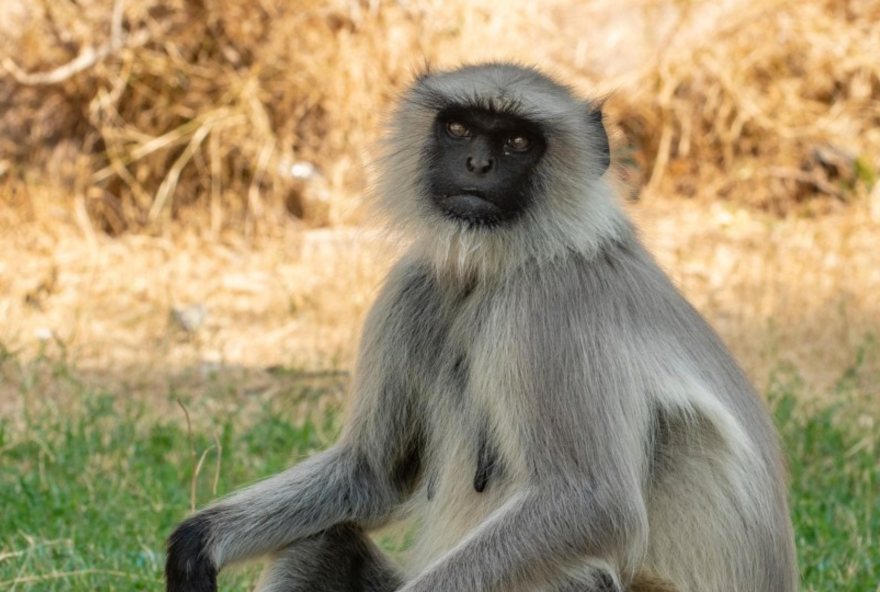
[{"x": 483, "y": 165}]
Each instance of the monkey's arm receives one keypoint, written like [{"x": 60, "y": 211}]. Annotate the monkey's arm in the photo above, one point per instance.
[
  {"x": 582, "y": 515},
  {"x": 334, "y": 486},
  {"x": 535, "y": 538},
  {"x": 359, "y": 481}
]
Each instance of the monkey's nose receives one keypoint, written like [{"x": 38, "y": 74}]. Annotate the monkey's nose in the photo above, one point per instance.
[{"x": 479, "y": 164}]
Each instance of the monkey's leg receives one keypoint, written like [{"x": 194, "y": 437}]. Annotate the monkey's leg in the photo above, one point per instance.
[{"x": 340, "y": 559}]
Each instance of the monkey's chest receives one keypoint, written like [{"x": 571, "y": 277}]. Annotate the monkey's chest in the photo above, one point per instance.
[
  {"x": 462, "y": 458},
  {"x": 464, "y": 483},
  {"x": 465, "y": 407},
  {"x": 470, "y": 465},
  {"x": 466, "y": 476}
]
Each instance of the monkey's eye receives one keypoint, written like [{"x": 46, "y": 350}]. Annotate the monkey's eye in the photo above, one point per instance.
[
  {"x": 458, "y": 130},
  {"x": 519, "y": 143}
]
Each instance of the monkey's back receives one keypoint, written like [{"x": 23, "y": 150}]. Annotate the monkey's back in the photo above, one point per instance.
[{"x": 715, "y": 492}]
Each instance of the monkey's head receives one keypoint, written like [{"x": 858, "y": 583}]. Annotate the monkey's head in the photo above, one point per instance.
[{"x": 496, "y": 163}]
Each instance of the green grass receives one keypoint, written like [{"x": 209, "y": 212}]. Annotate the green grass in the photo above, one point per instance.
[
  {"x": 88, "y": 494},
  {"x": 833, "y": 453}
]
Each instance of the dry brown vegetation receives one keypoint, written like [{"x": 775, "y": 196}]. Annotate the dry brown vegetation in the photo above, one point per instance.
[
  {"x": 201, "y": 108},
  {"x": 208, "y": 135}
]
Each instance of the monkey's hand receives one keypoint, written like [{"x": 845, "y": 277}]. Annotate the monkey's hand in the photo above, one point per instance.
[{"x": 188, "y": 567}]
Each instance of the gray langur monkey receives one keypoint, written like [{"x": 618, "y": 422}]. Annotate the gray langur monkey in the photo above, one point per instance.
[{"x": 531, "y": 388}]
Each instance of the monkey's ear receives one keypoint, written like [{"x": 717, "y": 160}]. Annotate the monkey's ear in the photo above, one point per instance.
[{"x": 594, "y": 115}]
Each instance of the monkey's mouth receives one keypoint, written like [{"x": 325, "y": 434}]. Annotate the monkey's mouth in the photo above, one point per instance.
[{"x": 471, "y": 206}]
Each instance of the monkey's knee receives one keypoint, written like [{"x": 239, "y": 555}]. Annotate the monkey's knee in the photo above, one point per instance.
[{"x": 340, "y": 559}]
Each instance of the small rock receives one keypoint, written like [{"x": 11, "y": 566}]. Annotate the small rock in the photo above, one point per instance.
[{"x": 190, "y": 318}]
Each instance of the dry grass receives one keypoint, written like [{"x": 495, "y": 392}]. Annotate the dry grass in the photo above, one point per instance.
[
  {"x": 797, "y": 292},
  {"x": 778, "y": 106},
  {"x": 200, "y": 109},
  {"x": 181, "y": 143},
  {"x": 204, "y": 121}
]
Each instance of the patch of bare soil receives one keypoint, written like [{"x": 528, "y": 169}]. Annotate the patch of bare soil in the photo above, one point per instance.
[{"x": 157, "y": 319}]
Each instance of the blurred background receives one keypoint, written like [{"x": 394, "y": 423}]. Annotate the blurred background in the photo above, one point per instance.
[{"x": 185, "y": 257}]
